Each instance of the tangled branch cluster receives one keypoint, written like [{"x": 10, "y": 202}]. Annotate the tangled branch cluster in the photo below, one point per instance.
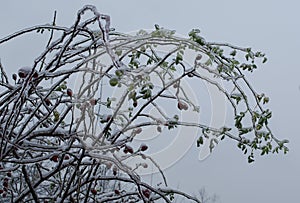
[{"x": 64, "y": 137}]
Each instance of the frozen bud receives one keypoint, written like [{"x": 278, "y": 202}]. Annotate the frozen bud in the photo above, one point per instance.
[{"x": 158, "y": 129}]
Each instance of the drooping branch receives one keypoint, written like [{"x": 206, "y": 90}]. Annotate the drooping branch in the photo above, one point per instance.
[{"x": 70, "y": 122}]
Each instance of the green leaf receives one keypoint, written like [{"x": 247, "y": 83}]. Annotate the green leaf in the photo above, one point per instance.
[
  {"x": 233, "y": 53},
  {"x": 250, "y": 158},
  {"x": 199, "y": 141},
  {"x": 113, "y": 81},
  {"x": 264, "y": 60},
  {"x": 178, "y": 58},
  {"x": 266, "y": 100}
]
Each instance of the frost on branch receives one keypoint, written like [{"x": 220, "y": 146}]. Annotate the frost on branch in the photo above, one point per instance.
[{"x": 69, "y": 122}]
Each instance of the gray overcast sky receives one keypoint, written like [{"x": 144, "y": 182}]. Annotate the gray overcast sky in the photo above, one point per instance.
[{"x": 267, "y": 25}]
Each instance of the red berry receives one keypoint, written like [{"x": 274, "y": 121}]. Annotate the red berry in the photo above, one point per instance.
[
  {"x": 14, "y": 76},
  {"x": 67, "y": 157},
  {"x": 190, "y": 75},
  {"x": 1, "y": 191},
  {"x": 4, "y": 195},
  {"x": 125, "y": 150},
  {"x": 69, "y": 92},
  {"x": 93, "y": 102},
  {"x": 54, "y": 158},
  {"x": 108, "y": 165},
  {"x": 143, "y": 147},
  {"x": 35, "y": 74},
  {"x": 129, "y": 149},
  {"x": 117, "y": 192},
  {"x": 138, "y": 130},
  {"x": 108, "y": 117},
  {"x": 8, "y": 174},
  {"x": 94, "y": 192},
  {"x": 115, "y": 170},
  {"x": 135, "y": 104},
  {"x": 5, "y": 184},
  {"x": 48, "y": 102},
  {"x": 23, "y": 72},
  {"x": 146, "y": 193},
  {"x": 182, "y": 105},
  {"x": 145, "y": 165}
]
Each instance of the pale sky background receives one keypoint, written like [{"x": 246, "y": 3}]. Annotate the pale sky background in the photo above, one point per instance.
[{"x": 267, "y": 25}]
